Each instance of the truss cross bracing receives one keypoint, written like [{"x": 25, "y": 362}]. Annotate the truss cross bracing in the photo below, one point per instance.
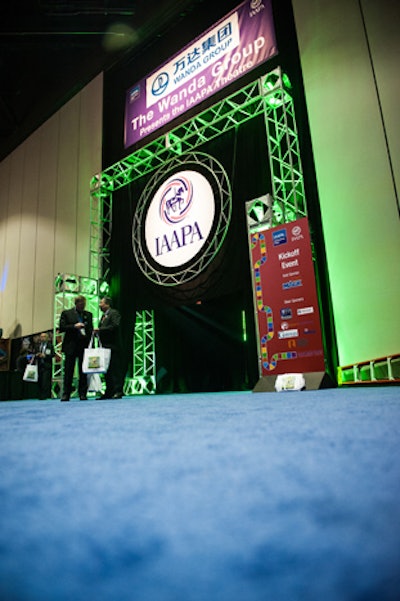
[
  {"x": 284, "y": 151},
  {"x": 143, "y": 379}
]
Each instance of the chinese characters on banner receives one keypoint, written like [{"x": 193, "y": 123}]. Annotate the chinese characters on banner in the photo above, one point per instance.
[
  {"x": 286, "y": 300},
  {"x": 234, "y": 46}
]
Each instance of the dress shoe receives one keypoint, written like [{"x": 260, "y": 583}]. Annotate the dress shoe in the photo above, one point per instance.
[
  {"x": 117, "y": 395},
  {"x": 83, "y": 398},
  {"x": 65, "y": 397}
]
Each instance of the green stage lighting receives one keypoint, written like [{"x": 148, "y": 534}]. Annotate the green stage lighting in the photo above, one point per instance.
[
  {"x": 244, "y": 327},
  {"x": 104, "y": 288},
  {"x": 276, "y": 85},
  {"x": 70, "y": 283},
  {"x": 88, "y": 286}
]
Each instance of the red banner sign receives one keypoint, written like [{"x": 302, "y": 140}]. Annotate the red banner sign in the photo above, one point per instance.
[{"x": 286, "y": 300}]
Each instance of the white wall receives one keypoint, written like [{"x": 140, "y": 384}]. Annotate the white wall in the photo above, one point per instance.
[
  {"x": 44, "y": 210},
  {"x": 350, "y": 57}
]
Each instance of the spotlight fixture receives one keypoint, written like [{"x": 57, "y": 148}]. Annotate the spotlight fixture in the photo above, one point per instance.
[{"x": 104, "y": 288}]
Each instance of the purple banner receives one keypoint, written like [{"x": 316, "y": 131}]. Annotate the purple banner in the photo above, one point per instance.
[{"x": 238, "y": 43}]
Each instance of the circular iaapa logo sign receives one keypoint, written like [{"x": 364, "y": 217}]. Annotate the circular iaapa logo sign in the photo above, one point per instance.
[
  {"x": 179, "y": 218},
  {"x": 182, "y": 219}
]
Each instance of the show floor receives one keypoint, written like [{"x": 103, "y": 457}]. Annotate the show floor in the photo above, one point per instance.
[{"x": 290, "y": 496}]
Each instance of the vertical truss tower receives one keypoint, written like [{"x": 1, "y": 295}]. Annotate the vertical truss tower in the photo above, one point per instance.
[{"x": 66, "y": 287}]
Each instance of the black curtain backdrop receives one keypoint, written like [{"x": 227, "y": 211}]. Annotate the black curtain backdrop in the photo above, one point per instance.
[{"x": 199, "y": 331}]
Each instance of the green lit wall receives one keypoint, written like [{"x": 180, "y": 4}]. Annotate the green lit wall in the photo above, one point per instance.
[{"x": 350, "y": 56}]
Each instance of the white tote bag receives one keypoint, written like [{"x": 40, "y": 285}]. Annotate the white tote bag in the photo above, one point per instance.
[
  {"x": 31, "y": 373},
  {"x": 96, "y": 360},
  {"x": 94, "y": 383}
]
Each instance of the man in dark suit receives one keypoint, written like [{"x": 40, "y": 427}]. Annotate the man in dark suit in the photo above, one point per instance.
[
  {"x": 109, "y": 334},
  {"x": 44, "y": 351},
  {"x": 77, "y": 325}
]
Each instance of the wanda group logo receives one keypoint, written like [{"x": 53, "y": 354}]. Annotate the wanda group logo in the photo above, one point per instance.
[{"x": 176, "y": 200}]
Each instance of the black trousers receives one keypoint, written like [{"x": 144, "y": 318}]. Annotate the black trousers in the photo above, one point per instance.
[
  {"x": 44, "y": 380},
  {"x": 114, "y": 377},
  {"x": 69, "y": 366}
]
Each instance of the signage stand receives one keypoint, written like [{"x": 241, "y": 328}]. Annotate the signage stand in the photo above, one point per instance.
[{"x": 285, "y": 301}]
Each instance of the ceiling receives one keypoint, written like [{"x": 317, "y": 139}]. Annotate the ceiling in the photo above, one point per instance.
[{"x": 50, "y": 49}]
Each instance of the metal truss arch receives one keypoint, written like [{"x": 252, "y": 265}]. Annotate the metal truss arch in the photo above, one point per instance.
[{"x": 269, "y": 95}]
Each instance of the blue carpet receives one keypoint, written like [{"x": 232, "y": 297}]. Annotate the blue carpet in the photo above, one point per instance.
[{"x": 291, "y": 496}]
